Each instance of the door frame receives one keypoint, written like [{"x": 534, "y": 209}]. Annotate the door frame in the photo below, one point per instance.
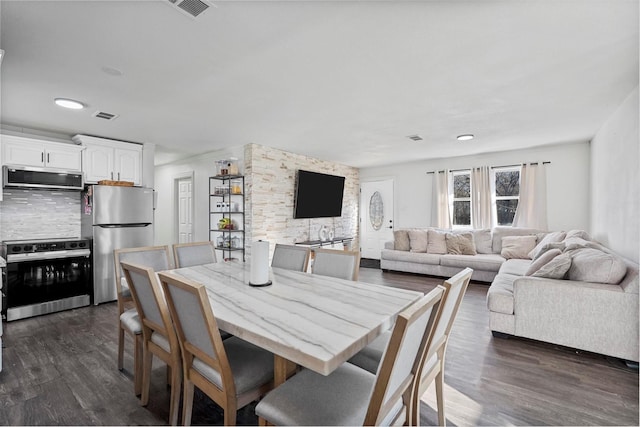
[
  {"x": 176, "y": 202},
  {"x": 360, "y": 202}
]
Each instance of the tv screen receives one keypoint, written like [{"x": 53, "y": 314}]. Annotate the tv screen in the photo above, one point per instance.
[{"x": 318, "y": 195}]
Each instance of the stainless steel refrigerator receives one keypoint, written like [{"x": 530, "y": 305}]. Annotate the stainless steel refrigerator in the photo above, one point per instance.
[{"x": 114, "y": 217}]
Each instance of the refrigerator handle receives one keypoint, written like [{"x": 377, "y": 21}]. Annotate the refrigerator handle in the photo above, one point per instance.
[{"x": 139, "y": 224}]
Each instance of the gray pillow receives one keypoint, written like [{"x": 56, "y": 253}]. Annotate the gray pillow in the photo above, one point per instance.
[
  {"x": 482, "y": 240},
  {"x": 572, "y": 243},
  {"x": 554, "y": 237},
  {"x": 593, "y": 265},
  {"x": 418, "y": 240},
  {"x": 401, "y": 240},
  {"x": 578, "y": 233},
  {"x": 460, "y": 243},
  {"x": 543, "y": 259},
  {"x": 550, "y": 246},
  {"x": 517, "y": 246},
  {"x": 556, "y": 268},
  {"x": 437, "y": 243}
]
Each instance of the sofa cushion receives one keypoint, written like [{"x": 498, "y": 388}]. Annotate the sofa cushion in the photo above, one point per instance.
[
  {"x": 503, "y": 231},
  {"x": 460, "y": 243},
  {"x": 482, "y": 240},
  {"x": 437, "y": 243},
  {"x": 517, "y": 267},
  {"x": 484, "y": 262},
  {"x": 500, "y": 294},
  {"x": 556, "y": 236},
  {"x": 406, "y": 256},
  {"x": 517, "y": 246},
  {"x": 418, "y": 240},
  {"x": 578, "y": 233},
  {"x": 556, "y": 268},
  {"x": 593, "y": 265},
  {"x": 550, "y": 246},
  {"x": 401, "y": 240},
  {"x": 542, "y": 260},
  {"x": 571, "y": 243}
]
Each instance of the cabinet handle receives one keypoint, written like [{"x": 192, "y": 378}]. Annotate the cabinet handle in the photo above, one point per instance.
[
  {"x": 42, "y": 157},
  {"x": 47, "y": 157},
  {"x": 118, "y": 176}
]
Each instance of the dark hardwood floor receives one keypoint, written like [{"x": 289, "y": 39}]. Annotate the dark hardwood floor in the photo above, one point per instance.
[{"x": 60, "y": 369}]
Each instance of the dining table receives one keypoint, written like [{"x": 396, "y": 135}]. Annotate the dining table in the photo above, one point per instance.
[{"x": 317, "y": 322}]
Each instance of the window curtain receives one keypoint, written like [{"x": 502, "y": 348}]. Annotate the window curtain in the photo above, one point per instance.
[
  {"x": 441, "y": 212},
  {"x": 532, "y": 206},
  {"x": 481, "y": 198}
]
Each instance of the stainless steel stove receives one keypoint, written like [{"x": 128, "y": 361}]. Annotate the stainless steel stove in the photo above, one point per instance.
[{"x": 45, "y": 276}]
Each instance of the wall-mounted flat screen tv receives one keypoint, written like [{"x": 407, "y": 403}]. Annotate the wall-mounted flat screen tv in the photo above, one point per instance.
[{"x": 318, "y": 195}]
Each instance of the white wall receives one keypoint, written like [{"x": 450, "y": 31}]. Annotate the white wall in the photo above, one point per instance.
[
  {"x": 615, "y": 200},
  {"x": 202, "y": 166},
  {"x": 567, "y": 183}
]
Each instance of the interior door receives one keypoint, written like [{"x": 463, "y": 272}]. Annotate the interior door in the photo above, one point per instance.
[
  {"x": 376, "y": 217},
  {"x": 185, "y": 211}
]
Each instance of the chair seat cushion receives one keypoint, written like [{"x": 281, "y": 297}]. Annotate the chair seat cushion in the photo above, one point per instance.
[
  {"x": 369, "y": 357},
  {"x": 131, "y": 321},
  {"x": 251, "y": 366},
  {"x": 308, "y": 398}
]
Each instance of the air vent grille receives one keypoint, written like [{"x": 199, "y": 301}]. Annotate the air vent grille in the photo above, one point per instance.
[
  {"x": 104, "y": 115},
  {"x": 192, "y": 7},
  {"x": 415, "y": 137}
]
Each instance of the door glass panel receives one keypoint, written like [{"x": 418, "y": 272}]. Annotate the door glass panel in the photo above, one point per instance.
[{"x": 376, "y": 211}]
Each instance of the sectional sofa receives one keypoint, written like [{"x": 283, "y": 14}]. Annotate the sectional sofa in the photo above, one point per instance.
[{"x": 556, "y": 287}]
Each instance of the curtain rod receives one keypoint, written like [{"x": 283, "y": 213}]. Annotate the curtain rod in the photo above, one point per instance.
[{"x": 492, "y": 167}]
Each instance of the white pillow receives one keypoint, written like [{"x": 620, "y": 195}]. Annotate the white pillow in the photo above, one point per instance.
[
  {"x": 437, "y": 243},
  {"x": 482, "y": 240},
  {"x": 517, "y": 246},
  {"x": 542, "y": 260},
  {"x": 418, "y": 240},
  {"x": 556, "y": 268},
  {"x": 556, "y": 236},
  {"x": 593, "y": 265}
]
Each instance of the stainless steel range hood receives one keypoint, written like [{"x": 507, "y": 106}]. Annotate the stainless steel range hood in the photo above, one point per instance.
[{"x": 29, "y": 177}]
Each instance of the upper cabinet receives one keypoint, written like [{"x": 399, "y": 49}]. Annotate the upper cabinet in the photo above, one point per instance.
[
  {"x": 20, "y": 151},
  {"x": 105, "y": 159}
]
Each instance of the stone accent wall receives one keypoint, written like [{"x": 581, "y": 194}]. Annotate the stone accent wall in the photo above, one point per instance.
[
  {"x": 270, "y": 176},
  {"x": 39, "y": 214}
]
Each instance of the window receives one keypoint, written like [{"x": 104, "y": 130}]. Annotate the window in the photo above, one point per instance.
[
  {"x": 461, "y": 199},
  {"x": 507, "y": 194}
]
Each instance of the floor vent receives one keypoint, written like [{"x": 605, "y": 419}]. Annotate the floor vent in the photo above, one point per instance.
[
  {"x": 104, "y": 115},
  {"x": 192, "y": 8}
]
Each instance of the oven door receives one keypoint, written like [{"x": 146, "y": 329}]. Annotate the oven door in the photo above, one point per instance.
[{"x": 47, "y": 282}]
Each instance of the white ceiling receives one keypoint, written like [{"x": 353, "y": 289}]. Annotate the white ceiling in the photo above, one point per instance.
[{"x": 340, "y": 81}]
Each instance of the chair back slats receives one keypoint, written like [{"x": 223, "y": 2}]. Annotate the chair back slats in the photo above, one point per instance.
[
  {"x": 412, "y": 334},
  {"x": 335, "y": 263},
  {"x": 291, "y": 257},
  {"x": 190, "y": 254},
  {"x": 196, "y": 326}
]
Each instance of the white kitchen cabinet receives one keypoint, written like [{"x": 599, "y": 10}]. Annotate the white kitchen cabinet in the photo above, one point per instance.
[
  {"x": 105, "y": 159},
  {"x": 20, "y": 151}
]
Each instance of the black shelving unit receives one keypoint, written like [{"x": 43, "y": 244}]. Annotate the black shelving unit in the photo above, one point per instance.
[{"x": 226, "y": 200}]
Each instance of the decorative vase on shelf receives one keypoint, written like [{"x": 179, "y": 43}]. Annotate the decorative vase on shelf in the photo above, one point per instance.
[{"x": 322, "y": 234}]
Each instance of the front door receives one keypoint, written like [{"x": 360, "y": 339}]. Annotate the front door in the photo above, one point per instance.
[{"x": 376, "y": 217}]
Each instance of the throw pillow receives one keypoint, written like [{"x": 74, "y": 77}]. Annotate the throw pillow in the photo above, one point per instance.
[
  {"x": 556, "y": 268},
  {"x": 460, "y": 243},
  {"x": 556, "y": 236},
  {"x": 401, "y": 240},
  {"x": 517, "y": 246},
  {"x": 418, "y": 240},
  {"x": 578, "y": 233},
  {"x": 543, "y": 259},
  {"x": 550, "y": 246},
  {"x": 437, "y": 243},
  {"x": 572, "y": 243},
  {"x": 482, "y": 240},
  {"x": 593, "y": 265}
]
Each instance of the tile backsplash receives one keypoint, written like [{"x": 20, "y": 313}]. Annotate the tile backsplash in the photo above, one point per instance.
[{"x": 39, "y": 214}]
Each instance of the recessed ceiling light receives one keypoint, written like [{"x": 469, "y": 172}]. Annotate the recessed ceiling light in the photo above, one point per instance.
[
  {"x": 465, "y": 137},
  {"x": 69, "y": 103}
]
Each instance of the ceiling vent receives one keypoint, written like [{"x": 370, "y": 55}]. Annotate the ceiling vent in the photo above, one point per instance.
[
  {"x": 192, "y": 8},
  {"x": 104, "y": 115},
  {"x": 415, "y": 137}
]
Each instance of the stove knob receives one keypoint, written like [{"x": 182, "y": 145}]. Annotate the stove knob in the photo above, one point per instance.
[
  {"x": 73, "y": 245},
  {"x": 28, "y": 248},
  {"x": 16, "y": 249},
  {"x": 82, "y": 244}
]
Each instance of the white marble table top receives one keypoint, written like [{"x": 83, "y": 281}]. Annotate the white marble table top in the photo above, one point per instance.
[{"x": 315, "y": 321}]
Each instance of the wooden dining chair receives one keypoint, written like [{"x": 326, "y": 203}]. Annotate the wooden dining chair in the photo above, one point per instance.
[
  {"x": 334, "y": 263},
  {"x": 433, "y": 369},
  {"x": 291, "y": 257},
  {"x": 353, "y": 396},
  {"x": 233, "y": 372},
  {"x": 159, "y": 337},
  {"x": 129, "y": 322},
  {"x": 195, "y": 253}
]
